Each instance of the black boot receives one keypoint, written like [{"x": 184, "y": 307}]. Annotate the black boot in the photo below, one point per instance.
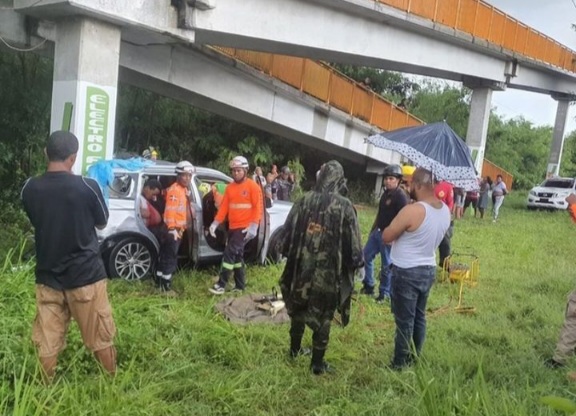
[
  {"x": 296, "y": 347},
  {"x": 157, "y": 277},
  {"x": 318, "y": 365},
  {"x": 165, "y": 285},
  {"x": 239, "y": 279}
]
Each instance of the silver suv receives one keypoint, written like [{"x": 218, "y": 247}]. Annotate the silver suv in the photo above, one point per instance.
[{"x": 130, "y": 250}]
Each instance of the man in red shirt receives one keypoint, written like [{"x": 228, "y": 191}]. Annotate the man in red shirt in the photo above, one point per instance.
[
  {"x": 444, "y": 191},
  {"x": 242, "y": 205}
]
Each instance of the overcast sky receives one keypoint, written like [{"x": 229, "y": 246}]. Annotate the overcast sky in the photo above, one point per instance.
[{"x": 553, "y": 18}]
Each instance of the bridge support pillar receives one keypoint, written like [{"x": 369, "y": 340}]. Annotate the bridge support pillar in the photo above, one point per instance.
[
  {"x": 84, "y": 89},
  {"x": 479, "y": 117},
  {"x": 555, "y": 157},
  {"x": 378, "y": 186}
]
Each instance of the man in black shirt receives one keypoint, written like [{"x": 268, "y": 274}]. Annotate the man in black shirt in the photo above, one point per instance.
[
  {"x": 392, "y": 201},
  {"x": 71, "y": 280}
]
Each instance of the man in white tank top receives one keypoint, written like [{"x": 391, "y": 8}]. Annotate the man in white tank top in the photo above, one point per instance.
[{"x": 415, "y": 234}]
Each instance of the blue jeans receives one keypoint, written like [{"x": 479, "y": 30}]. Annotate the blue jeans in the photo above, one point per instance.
[
  {"x": 409, "y": 296},
  {"x": 373, "y": 246}
]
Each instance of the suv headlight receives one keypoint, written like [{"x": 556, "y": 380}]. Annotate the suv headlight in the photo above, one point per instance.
[{"x": 532, "y": 192}]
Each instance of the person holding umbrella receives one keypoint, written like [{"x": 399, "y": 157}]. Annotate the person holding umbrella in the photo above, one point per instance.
[{"x": 392, "y": 201}]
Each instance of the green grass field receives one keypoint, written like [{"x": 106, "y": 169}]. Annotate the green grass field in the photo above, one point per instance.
[{"x": 177, "y": 356}]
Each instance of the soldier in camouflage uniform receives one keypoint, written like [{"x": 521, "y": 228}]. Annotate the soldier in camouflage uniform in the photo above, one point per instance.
[{"x": 323, "y": 250}]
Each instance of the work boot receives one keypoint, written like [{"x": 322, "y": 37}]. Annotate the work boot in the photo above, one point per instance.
[
  {"x": 223, "y": 278},
  {"x": 240, "y": 278},
  {"x": 318, "y": 366},
  {"x": 157, "y": 278},
  {"x": 165, "y": 285},
  {"x": 367, "y": 290},
  {"x": 301, "y": 351},
  {"x": 382, "y": 298},
  {"x": 296, "y": 348},
  {"x": 217, "y": 289}
]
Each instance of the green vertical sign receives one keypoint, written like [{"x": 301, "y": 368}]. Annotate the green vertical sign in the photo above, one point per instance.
[
  {"x": 67, "y": 116},
  {"x": 95, "y": 126}
]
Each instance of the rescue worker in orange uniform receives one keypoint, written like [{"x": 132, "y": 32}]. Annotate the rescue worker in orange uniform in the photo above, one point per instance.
[
  {"x": 242, "y": 205},
  {"x": 177, "y": 217}
]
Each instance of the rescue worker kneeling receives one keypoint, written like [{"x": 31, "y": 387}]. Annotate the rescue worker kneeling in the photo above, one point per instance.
[
  {"x": 177, "y": 217},
  {"x": 242, "y": 204}
]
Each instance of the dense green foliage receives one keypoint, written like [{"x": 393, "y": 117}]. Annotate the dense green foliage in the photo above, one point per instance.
[
  {"x": 178, "y": 356},
  {"x": 439, "y": 102}
]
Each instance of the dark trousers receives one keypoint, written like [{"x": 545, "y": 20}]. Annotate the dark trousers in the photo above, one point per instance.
[
  {"x": 168, "y": 262},
  {"x": 320, "y": 337},
  {"x": 445, "y": 244},
  {"x": 233, "y": 260},
  {"x": 411, "y": 288}
]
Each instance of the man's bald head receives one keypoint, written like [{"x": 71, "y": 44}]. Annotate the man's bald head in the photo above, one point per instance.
[{"x": 423, "y": 178}]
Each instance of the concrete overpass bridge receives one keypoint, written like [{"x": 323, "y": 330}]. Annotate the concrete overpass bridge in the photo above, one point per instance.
[{"x": 157, "y": 46}]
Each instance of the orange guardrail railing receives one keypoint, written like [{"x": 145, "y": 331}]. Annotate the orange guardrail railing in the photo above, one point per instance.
[
  {"x": 328, "y": 85},
  {"x": 492, "y": 170},
  {"x": 485, "y": 21},
  {"x": 336, "y": 89}
]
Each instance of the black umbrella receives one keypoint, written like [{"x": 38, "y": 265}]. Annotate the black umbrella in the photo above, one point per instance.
[{"x": 435, "y": 147}]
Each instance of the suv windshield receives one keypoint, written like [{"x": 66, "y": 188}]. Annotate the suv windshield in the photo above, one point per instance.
[{"x": 558, "y": 183}]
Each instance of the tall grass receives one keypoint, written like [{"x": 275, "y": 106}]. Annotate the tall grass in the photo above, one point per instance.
[{"x": 178, "y": 356}]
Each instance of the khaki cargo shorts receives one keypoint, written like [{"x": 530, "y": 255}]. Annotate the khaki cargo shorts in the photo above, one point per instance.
[{"x": 87, "y": 305}]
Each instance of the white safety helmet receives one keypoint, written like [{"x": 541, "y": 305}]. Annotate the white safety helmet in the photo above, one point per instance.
[
  {"x": 185, "y": 167},
  {"x": 239, "y": 162}
]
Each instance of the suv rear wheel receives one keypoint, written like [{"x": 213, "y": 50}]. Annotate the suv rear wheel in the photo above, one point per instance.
[
  {"x": 274, "y": 255},
  {"x": 131, "y": 259}
]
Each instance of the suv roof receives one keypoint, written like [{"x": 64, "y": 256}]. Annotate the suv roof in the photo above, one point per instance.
[{"x": 163, "y": 167}]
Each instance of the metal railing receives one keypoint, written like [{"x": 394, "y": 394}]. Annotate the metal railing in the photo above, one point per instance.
[
  {"x": 492, "y": 170},
  {"x": 328, "y": 85},
  {"x": 485, "y": 21},
  {"x": 336, "y": 89}
]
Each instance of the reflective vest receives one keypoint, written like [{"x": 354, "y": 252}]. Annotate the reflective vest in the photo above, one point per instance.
[
  {"x": 177, "y": 212},
  {"x": 242, "y": 204}
]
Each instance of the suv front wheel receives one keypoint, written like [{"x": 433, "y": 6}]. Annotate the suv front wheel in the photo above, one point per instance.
[{"x": 131, "y": 259}]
